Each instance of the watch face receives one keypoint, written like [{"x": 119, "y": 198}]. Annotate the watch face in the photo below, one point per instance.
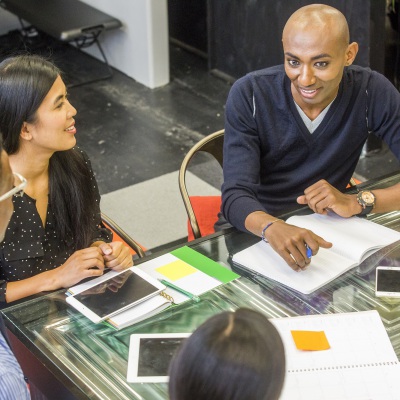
[{"x": 368, "y": 198}]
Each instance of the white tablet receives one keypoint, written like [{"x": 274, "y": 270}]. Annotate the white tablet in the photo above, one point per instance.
[
  {"x": 387, "y": 281},
  {"x": 116, "y": 294},
  {"x": 150, "y": 355}
]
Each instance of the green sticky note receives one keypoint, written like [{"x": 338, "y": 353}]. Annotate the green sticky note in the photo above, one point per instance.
[{"x": 205, "y": 264}]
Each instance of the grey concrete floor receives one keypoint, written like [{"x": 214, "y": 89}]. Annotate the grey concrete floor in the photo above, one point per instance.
[{"x": 133, "y": 133}]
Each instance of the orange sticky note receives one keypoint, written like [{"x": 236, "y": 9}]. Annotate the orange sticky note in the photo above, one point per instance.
[{"x": 310, "y": 340}]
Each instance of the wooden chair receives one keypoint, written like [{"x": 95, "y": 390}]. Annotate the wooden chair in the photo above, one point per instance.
[
  {"x": 120, "y": 235},
  {"x": 202, "y": 211}
]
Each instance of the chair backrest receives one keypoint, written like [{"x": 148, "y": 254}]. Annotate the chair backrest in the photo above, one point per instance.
[
  {"x": 212, "y": 144},
  {"x": 121, "y": 235}
]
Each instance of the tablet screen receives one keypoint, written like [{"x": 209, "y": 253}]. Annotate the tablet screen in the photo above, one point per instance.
[
  {"x": 151, "y": 354},
  {"x": 388, "y": 280},
  {"x": 112, "y": 295}
]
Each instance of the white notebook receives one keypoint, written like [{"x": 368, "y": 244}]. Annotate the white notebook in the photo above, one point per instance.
[
  {"x": 360, "y": 364},
  {"x": 354, "y": 239}
]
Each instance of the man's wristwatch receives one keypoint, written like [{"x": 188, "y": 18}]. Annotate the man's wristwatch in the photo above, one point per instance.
[{"x": 366, "y": 200}]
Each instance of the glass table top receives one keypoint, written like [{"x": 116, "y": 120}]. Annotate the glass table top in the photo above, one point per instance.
[{"x": 93, "y": 358}]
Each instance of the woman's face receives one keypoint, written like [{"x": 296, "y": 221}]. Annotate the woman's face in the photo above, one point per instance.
[{"x": 54, "y": 128}]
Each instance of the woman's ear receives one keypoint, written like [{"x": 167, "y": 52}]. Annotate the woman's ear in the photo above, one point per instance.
[
  {"x": 25, "y": 133},
  {"x": 351, "y": 52}
]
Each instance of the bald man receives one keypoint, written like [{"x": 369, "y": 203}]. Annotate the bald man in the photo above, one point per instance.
[{"x": 294, "y": 134}]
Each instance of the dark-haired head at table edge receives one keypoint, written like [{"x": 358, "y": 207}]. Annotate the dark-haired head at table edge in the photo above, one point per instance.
[
  {"x": 233, "y": 355},
  {"x": 294, "y": 134}
]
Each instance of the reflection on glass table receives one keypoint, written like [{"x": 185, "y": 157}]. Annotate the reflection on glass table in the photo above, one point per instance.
[{"x": 91, "y": 359}]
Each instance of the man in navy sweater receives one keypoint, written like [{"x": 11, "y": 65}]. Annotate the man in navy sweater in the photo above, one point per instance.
[{"x": 294, "y": 134}]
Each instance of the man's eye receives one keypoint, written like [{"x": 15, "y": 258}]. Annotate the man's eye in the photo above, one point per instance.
[
  {"x": 321, "y": 64},
  {"x": 293, "y": 63}
]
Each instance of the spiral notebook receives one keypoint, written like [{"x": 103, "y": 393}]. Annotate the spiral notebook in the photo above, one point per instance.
[{"x": 360, "y": 363}]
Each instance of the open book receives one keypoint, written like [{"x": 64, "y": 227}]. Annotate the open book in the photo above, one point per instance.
[
  {"x": 360, "y": 362},
  {"x": 353, "y": 239},
  {"x": 186, "y": 268}
]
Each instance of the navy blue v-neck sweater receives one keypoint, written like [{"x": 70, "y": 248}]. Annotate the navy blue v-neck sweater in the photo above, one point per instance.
[{"x": 270, "y": 157}]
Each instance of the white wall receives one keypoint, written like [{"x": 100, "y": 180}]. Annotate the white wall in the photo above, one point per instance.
[
  {"x": 8, "y": 21},
  {"x": 140, "y": 47}
]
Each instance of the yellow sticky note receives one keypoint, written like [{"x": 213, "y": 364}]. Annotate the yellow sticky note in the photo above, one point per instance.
[
  {"x": 310, "y": 340},
  {"x": 176, "y": 270}
]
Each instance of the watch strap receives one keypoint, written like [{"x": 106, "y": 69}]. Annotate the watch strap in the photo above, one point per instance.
[{"x": 366, "y": 210}]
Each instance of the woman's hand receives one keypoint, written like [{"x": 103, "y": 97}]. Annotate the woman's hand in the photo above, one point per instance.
[
  {"x": 82, "y": 264},
  {"x": 116, "y": 255}
]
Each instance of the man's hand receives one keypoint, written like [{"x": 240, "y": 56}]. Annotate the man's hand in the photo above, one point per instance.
[
  {"x": 290, "y": 242},
  {"x": 322, "y": 197}
]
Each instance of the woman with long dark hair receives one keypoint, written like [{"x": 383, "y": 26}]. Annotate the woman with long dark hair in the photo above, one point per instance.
[{"x": 55, "y": 237}]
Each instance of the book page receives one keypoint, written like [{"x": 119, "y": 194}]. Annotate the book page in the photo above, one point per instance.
[
  {"x": 354, "y": 238},
  {"x": 370, "y": 383},
  {"x": 360, "y": 364},
  {"x": 261, "y": 258}
]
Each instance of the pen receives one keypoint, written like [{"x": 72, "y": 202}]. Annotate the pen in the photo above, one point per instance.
[
  {"x": 309, "y": 251},
  {"x": 186, "y": 293}
]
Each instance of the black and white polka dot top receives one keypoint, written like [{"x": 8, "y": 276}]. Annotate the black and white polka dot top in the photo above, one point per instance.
[{"x": 29, "y": 248}]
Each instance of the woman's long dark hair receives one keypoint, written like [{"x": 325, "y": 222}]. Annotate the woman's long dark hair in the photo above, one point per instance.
[{"x": 24, "y": 83}]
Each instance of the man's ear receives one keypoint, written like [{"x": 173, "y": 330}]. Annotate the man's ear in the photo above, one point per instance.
[
  {"x": 351, "y": 52},
  {"x": 25, "y": 133}
]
